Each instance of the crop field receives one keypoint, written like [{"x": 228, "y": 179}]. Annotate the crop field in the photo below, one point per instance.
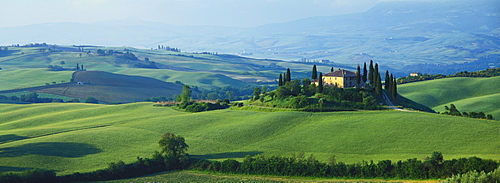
[
  {"x": 78, "y": 137},
  {"x": 468, "y": 94}
]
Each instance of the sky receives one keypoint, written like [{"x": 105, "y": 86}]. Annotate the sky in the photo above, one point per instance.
[{"x": 230, "y": 13}]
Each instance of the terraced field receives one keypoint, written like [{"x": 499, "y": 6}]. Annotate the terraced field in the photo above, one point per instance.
[{"x": 84, "y": 137}]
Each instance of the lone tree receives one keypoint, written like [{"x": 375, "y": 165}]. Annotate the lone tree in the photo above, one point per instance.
[
  {"x": 91, "y": 100},
  {"x": 173, "y": 145},
  {"x": 186, "y": 94}
]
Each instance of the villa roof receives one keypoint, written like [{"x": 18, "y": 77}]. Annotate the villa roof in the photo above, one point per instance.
[{"x": 341, "y": 73}]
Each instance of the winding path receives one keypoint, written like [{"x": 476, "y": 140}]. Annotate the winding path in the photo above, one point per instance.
[{"x": 392, "y": 106}]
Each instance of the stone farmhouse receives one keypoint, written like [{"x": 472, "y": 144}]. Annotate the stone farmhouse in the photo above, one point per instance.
[{"x": 340, "y": 78}]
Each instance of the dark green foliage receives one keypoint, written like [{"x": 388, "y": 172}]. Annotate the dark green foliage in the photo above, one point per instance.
[
  {"x": 358, "y": 76},
  {"x": 30, "y": 176},
  {"x": 320, "y": 83},
  {"x": 378, "y": 84},
  {"x": 91, "y": 100},
  {"x": 256, "y": 93},
  {"x": 314, "y": 73},
  {"x": 364, "y": 73},
  {"x": 388, "y": 80},
  {"x": 452, "y": 110},
  {"x": 433, "y": 168},
  {"x": 172, "y": 145},
  {"x": 483, "y": 73},
  {"x": 280, "y": 81},
  {"x": 202, "y": 106},
  {"x": 371, "y": 73},
  {"x": 288, "y": 76}
]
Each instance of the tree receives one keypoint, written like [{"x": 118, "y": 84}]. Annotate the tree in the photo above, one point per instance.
[
  {"x": 146, "y": 59},
  {"x": 378, "y": 84},
  {"x": 256, "y": 93},
  {"x": 358, "y": 76},
  {"x": 186, "y": 94},
  {"x": 62, "y": 62},
  {"x": 394, "y": 88},
  {"x": 91, "y": 100},
  {"x": 77, "y": 67},
  {"x": 387, "y": 80},
  {"x": 280, "y": 81},
  {"x": 172, "y": 145},
  {"x": 320, "y": 83},
  {"x": 364, "y": 73},
  {"x": 371, "y": 72},
  {"x": 314, "y": 72},
  {"x": 288, "y": 77},
  {"x": 331, "y": 70},
  {"x": 81, "y": 68}
]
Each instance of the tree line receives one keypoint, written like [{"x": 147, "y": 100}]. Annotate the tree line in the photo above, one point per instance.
[
  {"x": 433, "y": 167},
  {"x": 33, "y": 97},
  {"x": 482, "y": 73},
  {"x": 452, "y": 110}
]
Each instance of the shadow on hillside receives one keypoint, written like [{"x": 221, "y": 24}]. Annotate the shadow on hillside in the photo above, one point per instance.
[
  {"x": 61, "y": 149},
  {"x": 10, "y": 138},
  {"x": 227, "y": 155},
  {"x": 12, "y": 169}
]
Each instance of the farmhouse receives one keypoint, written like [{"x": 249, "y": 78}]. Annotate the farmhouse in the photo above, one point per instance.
[
  {"x": 340, "y": 78},
  {"x": 414, "y": 74}
]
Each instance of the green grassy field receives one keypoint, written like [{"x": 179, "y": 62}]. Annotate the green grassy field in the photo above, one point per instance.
[
  {"x": 23, "y": 78},
  {"x": 85, "y": 137},
  {"x": 468, "y": 94}
]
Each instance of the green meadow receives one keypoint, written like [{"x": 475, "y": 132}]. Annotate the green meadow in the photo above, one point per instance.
[
  {"x": 24, "y": 78},
  {"x": 468, "y": 94},
  {"x": 79, "y": 137}
]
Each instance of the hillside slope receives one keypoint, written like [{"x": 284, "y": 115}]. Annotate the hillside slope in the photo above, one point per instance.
[
  {"x": 108, "y": 87},
  {"x": 84, "y": 137},
  {"x": 468, "y": 94}
]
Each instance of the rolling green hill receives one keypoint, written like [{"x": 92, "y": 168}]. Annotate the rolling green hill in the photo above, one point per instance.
[
  {"x": 24, "y": 78},
  {"x": 108, "y": 87},
  {"x": 84, "y": 137},
  {"x": 468, "y": 94}
]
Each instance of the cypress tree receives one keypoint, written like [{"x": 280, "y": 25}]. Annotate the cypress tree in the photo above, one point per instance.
[
  {"x": 288, "y": 76},
  {"x": 364, "y": 73},
  {"x": 331, "y": 70},
  {"x": 77, "y": 67},
  {"x": 387, "y": 80},
  {"x": 314, "y": 73},
  {"x": 371, "y": 72},
  {"x": 280, "y": 81},
  {"x": 394, "y": 88},
  {"x": 378, "y": 84},
  {"x": 358, "y": 77},
  {"x": 320, "y": 83}
]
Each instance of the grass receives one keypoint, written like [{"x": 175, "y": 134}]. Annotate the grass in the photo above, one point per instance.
[
  {"x": 468, "y": 94},
  {"x": 34, "y": 134},
  {"x": 23, "y": 78}
]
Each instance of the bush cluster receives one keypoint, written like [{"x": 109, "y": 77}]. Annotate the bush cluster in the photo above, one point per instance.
[
  {"x": 432, "y": 168},
  {"x": 203, "y": 106}
]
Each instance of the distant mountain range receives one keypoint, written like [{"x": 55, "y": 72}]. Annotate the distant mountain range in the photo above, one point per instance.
[{"x": 403, "y": 36}]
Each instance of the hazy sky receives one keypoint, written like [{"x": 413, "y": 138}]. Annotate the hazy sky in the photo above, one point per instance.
[{"x": 239, "y": 13}]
